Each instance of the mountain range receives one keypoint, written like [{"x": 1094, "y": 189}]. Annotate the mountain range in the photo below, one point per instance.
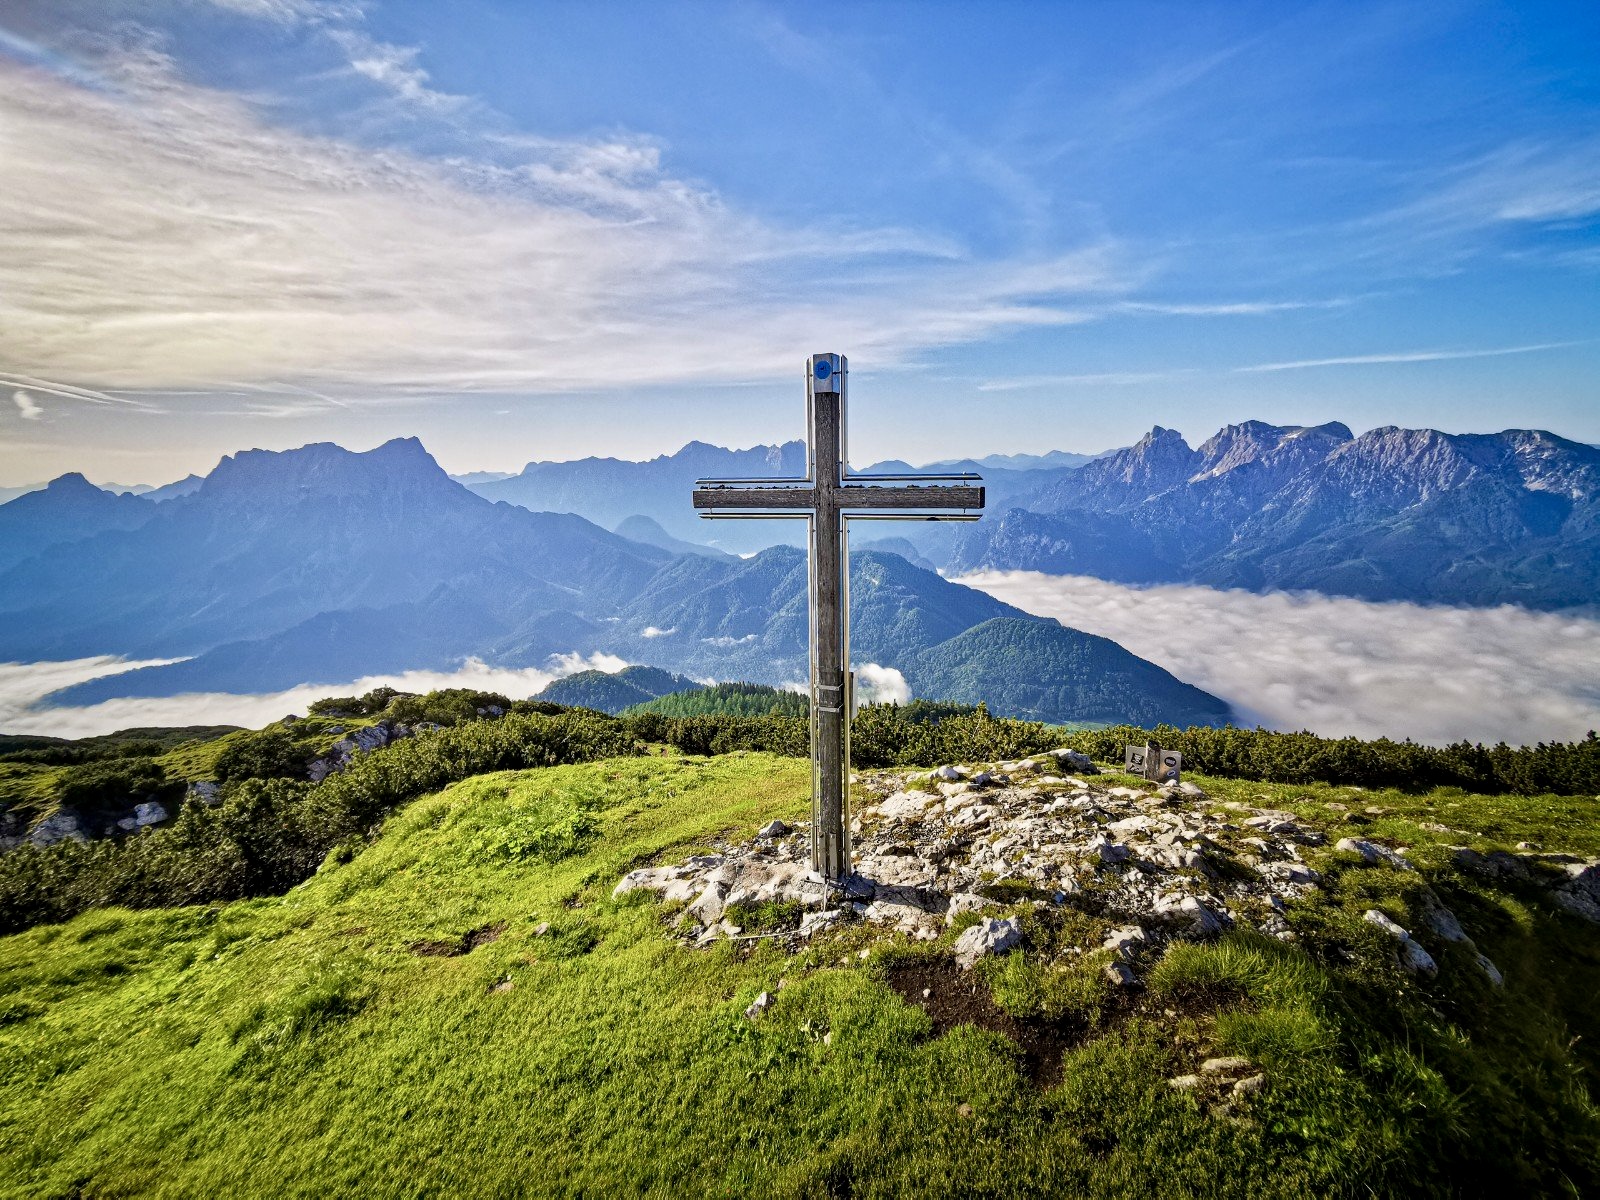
[
  {"x": 323, "y": 565},
  {"x": 1395, "y": 514}
]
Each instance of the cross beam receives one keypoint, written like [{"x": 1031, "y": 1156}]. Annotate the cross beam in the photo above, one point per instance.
[{"x": 828, "y": 498}]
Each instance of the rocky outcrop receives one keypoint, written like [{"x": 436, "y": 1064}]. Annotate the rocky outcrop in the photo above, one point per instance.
[
  {"x": 1572, "y": 883},
  {"x": 933, "y": 847},
  {"x": 361, "y": 741},
  {"x": 57, "y": 827}
]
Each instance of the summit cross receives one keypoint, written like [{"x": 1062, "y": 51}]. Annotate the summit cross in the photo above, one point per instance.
[{"x": 828, "y": 498}]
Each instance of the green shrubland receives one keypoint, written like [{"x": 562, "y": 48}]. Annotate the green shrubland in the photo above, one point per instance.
[{"x": 266, "y": 838}]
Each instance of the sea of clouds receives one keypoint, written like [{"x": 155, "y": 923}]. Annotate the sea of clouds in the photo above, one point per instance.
[
  {"x": 24, "y": 685},
  {"x": 1339, "y": 666}
]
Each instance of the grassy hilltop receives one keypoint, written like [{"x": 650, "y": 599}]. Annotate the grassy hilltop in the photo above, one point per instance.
[{"x": 462, "y": 1007}]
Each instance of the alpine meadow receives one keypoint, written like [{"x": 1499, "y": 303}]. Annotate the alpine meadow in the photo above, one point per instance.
[{"x": 876, "y": 601}]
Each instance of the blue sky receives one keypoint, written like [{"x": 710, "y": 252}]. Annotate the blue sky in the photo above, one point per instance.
[{"x": 541, "y": 231}]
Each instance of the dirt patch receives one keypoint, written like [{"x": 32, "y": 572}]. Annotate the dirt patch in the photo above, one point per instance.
[
  {"x": 954, "y": 997},
  {"x": 465, "y": 944}
]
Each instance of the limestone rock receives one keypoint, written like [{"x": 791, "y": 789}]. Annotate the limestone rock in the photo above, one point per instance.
[
  {"x": 1231, "y": 1065},
  {"x": 206, "y": 791},
  {"x": 759, "y": 1005},
  {"x": 149, "y": 813},
  {"x": 1120, "y": 974},
  {"x": 1075, "y": 761},
  {"x": 58, "y": 827},
  {"x": 772, "y": 829},
  {"x": 992, "y": 935},
  {"x": 1372, "y": 853},
  {"x": 1127, "y": 941},
  {"x": 1580, "y": 894},
  {"x": 1413, "y": 958}
]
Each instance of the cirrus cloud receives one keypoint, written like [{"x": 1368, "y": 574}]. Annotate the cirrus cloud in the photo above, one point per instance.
[{"x": 212, "y": 248}]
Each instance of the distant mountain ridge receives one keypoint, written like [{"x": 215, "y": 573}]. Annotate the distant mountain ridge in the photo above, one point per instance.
[
  {"x": 1394, "y": 514},
  {"x": 323, "y": 565},
  {"x": 608, "y": 491}
]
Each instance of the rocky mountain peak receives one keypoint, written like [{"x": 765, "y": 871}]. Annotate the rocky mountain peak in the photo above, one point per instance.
[
  {"x": 1292, "y": 446},
  {"x": 1161, "y": 458},
  {"x": 73, "y": 483},
  {"x": 395, "y": 469}
]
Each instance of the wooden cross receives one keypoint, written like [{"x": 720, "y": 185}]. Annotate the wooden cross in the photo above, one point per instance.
[{"x": 828, "y": 498}]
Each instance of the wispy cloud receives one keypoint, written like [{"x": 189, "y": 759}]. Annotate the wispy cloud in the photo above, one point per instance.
[
  {"x": 395, "y": 68},
  {"x": 26, "y": 405},
  {"x": 1487, "y": 202},
  {"x": 66, "y": 391},
  {"x": 1093, "y": 379},
  {"x": 1340, "y": 666},
  {"x": 1240, "y": 308},
  {"x": 1405, "y": 356},
  {"x": 210, "y": 247}
]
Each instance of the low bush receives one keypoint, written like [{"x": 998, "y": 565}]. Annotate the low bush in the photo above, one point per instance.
[{"x": 113, "y": 784}]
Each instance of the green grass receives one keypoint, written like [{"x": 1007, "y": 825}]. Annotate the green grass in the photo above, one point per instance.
[{"x": 298, "y": 1045}]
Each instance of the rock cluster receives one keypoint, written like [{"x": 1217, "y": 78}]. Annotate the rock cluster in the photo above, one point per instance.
[
  {"x": 369, "y": 737},
  {"x": 933, "y": 845},
  {"x": 1158, "y": 863},
  {"x": 1572, "y": 883}
]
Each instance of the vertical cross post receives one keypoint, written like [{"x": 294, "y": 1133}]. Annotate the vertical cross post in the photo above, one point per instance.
[{"x": 829, "y": 497}]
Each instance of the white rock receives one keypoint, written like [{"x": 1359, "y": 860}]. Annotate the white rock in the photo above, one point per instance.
[
  {"x": 1230, "y": 1065},
  {"x": 58, "y": 827},
  {"x": 1106, "y": 850},
  {"x": 965, "y": 902},
  {"x": 1491, "y": 971},
  {"x": 149, "y": 813},
  {"x": 710, "y": 905},
  {"x": 759, "y": 1005},
  {"x": 1372, "y": 853},
  {"x": 1191, "y": 915},
  {"x": 652, "y": 879},
  {"x": 772, "y": 829},
  {"x": 951, "y": 773},
  {"x": 906, "y": 804},
  {"x": 1127, "y": 941},
  {"x": 992, "y": 935},
  {"x": 1413, "y": 957},
  {"x": 207, "y": 792},
  {"x": 1121, "y": 975}
]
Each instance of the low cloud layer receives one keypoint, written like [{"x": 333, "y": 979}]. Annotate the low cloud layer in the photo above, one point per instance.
[
  {"x": 23, "y": 685},
  {"x": 1339, "y": 666},
  {"x": 880, "y": 685}
]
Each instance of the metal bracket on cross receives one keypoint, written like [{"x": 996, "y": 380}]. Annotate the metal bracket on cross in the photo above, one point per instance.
[{"x": 828, "y": 498}]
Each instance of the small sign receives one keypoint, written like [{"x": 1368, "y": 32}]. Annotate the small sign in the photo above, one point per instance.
[
  {"x": 1134, "y": 762},
  {"x": 1153, "y": 763}
]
